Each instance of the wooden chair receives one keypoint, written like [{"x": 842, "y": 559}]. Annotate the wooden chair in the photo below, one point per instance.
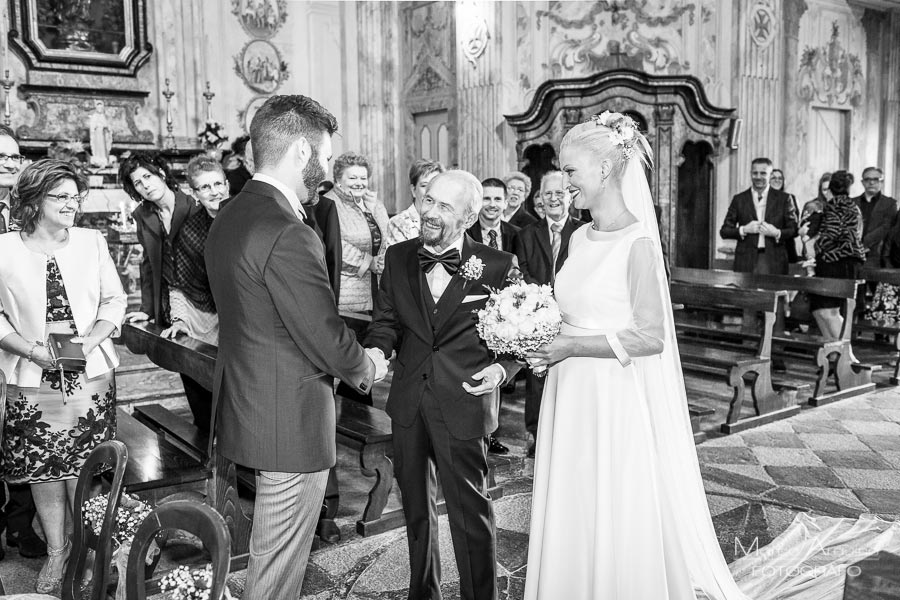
[
  {"x": 193, "y": 517},
  {"x": 112, "y": 453}
]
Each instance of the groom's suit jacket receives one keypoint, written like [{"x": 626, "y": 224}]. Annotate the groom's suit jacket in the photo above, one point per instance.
[
  {"x": 281, "y": 339},
  {"x": 437, "y": 345}
]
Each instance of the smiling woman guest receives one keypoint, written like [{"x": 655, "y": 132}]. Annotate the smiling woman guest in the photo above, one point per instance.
[
  {"x": 363, "y": 220},
  {"x": 55, "y": 278},
  {"x": 160, "y": 216},
  {"x": 191, "y": 305}
]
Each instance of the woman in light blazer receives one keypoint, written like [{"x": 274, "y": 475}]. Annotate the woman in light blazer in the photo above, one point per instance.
[{"x": 55, "y": 278}]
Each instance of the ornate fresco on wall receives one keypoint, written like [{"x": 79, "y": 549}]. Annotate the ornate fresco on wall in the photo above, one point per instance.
[
  {"x": 587, "y": 37},
  {"x": 64, "y": 114},
  {"x": 831, "y": 75},
  {"x": 245, "y": 115},
  {"x": 260, "y": 65},
  {"x": 260, "y": 18},
  {"x": 429, "y": 61}
]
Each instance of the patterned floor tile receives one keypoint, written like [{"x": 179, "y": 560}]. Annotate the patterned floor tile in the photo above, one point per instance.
[
  {"x": 735, "y": 481},
  {"x": 787, "y": 457},
  {"x": 804, "y": 477},
  {"x": 881, "y": 502},
  {"x": 733, "y": 455},
  {"x": 891, "y": 456},
  {"x": 723, "y": 442},
  {"x": 855, "y": 414},
  {"x": 801, "y": 500},
  {"x": 891, "y": 414},
  {"x": 818, "y": 427},
  {"x": 722, "y": 504},
  {"x": 870, "y": 479},
  {"x": 774, "y": 439},
  {"x": 873, "y": 427},
  {"x": 852, "y": 459},
  {"x": 832, "y": 441},
  {"x": 840, "y": 496},
  {"x": 751, "y": 471},
  {"x": 881, "y": 442}
]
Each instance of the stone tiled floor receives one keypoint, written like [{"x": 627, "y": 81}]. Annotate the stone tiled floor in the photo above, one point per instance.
[{"x": 838, "y": 460}]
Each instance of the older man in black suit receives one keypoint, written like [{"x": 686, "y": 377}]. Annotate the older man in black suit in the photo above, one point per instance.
[
  {"x": 542, "y": 248},
  {"x": 280, "y": 341},
  {"x": 443, "y": 401},
  {"x": 763, "y": 221}
]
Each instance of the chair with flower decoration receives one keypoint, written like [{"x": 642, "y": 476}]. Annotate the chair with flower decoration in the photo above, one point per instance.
[
  {"x": 108, "y": 455},
  {"x": 193, "y": 517}
]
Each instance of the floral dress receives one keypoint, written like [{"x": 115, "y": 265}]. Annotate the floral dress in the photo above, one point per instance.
[{"x": 46, "y": 438}]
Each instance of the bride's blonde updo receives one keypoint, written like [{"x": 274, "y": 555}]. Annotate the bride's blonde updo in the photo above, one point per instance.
[{"x": 612, "y": 136}]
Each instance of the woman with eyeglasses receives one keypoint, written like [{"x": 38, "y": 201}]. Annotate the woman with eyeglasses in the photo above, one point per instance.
[
  {"x": 55, "y": 278},
  {"x": 191, "y": 305},
  {"x": 160, "y": 217}
]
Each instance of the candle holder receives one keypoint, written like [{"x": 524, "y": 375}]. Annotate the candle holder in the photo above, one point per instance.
[
  {"x": 209, "y": 96},
  {"x": 169, "y": 140},
  {"x": 7, "y": 84}
]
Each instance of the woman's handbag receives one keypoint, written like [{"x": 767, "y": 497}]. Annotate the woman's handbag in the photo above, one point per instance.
[{"x": 67, "y": 356}]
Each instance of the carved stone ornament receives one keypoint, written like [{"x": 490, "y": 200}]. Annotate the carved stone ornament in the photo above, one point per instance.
[
  {"x": 260, "y": 18},
  {"x": 429, "y": 80},
  {"x": 762, "y": 23},
  {"x": 260, "y": 65},
  {"x": 475, "y": 40},
  {"x": 830, "y": 74},
  {"x": 598, "y": 36}
]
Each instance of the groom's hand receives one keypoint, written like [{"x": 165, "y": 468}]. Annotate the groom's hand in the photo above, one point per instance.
[
  {"x": 490, "y": 377},
  {"x": 380, "y": 362}
]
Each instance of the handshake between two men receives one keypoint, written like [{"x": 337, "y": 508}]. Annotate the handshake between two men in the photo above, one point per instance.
[{"x": 490, "y": 377}]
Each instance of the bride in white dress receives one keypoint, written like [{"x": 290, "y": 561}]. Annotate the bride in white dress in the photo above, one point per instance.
[{"x": 619, "y": 510}]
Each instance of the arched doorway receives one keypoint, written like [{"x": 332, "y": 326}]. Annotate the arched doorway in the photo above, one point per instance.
[
  {"x": 675, "y": 111},
  {"x": 694, "y": 203}
]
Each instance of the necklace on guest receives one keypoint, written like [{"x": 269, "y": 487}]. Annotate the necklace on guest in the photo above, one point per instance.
[{"x": 610, "y": 225}]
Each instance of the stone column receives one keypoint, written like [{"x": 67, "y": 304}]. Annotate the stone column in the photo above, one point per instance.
[
  {"x": 379, "y": 97},
  {"x": 794, "y": 156}
]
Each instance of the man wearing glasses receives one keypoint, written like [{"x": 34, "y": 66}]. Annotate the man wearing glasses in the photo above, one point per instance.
[
  {"x": 541, "y": 249},
  {"x": 18, "y": 511},
  {"x": 878, "y": 212}
]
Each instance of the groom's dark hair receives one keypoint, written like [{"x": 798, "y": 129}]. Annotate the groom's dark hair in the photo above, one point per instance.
[{"x": 284, "y": 119}]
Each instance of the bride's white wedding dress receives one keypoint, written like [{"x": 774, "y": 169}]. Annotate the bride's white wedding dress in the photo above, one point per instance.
[{"x": 619, "y": 511}]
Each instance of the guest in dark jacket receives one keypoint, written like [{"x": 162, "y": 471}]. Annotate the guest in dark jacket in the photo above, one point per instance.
[
  {"x": 839, "y": 251},
  {"x": 490, "y": 229},
  {"x": 878, "y": 212},
  {"x": 541, "y": 249},
  {"x": 763, "y": 221},
  {"x": 159, "y": 218},
  {"x": 235, "y": 165},
  {"x": 777, "y": 183}
]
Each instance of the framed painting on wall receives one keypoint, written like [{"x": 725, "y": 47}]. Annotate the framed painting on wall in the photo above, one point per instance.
[
  {"x": 259, "y": 64},
  {"x": 107, "y": 37}
]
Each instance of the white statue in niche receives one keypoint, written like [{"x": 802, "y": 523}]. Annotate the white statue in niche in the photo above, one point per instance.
[{"x": 101, "y": 135}]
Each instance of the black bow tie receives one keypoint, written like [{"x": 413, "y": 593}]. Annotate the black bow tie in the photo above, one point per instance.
[{"x": 449, "y": 260}]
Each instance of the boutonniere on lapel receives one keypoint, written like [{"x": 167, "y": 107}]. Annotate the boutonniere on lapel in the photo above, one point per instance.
[{"x": 472, "y": 269}]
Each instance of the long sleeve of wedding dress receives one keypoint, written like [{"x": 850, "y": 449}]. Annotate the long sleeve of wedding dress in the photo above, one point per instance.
[{"x": 645, "y": 335}]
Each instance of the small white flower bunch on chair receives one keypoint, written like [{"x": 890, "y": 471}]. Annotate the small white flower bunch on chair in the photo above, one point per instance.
[{"x": 623, "y": 130}]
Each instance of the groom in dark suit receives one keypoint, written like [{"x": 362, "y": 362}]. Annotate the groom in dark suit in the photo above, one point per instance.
[
  {"x": 763, "y": 221},
  {"x": 444, "y": 399},
  {"x": 281, "y": 341},
  {"x": 542, "y": 248}
]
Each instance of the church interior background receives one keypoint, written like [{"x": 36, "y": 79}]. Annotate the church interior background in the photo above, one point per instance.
[{"x": 812, "y": 84}]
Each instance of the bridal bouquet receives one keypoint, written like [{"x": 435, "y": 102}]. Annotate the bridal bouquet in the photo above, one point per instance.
[
  {"x": 186, "y": 584},
  {"x": 519, "y": 319}
]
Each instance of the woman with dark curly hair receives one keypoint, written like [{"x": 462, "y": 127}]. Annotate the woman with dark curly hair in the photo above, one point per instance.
[
  {"x": 839, "y": 251},
  {"x": 55, "y": 278},
  {"x": 159, "y": 218}
]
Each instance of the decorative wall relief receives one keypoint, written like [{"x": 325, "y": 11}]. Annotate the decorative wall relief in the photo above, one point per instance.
[
  {"x": 260, "y": 65},
  {"x": 65, "y": 114},
  {"x": 473, "y": 30},
  {"x": 762, "y": 23},
  {"x": 831, "y": 75},
  {"x": 260, "y": 18},
  {"x": 428, "y": 63},
  {"x": 587, "y": 37}
]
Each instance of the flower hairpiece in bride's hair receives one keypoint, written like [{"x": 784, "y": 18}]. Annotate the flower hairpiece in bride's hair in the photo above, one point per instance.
[{"x": 623, "y": 130}]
